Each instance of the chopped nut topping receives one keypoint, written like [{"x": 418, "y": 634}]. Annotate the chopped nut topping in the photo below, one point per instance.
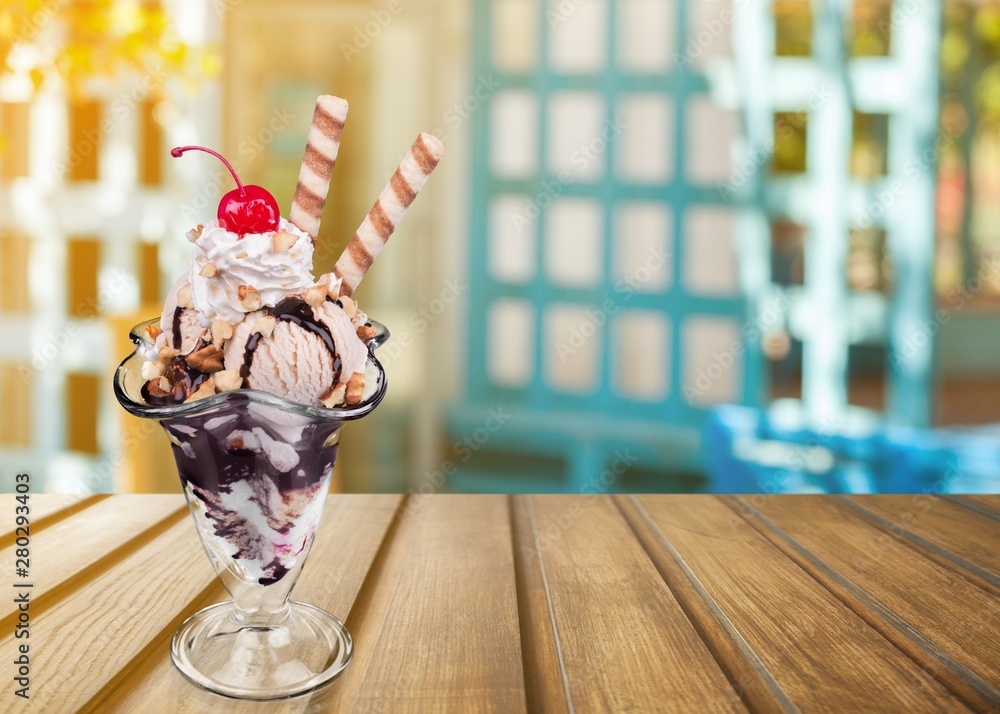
[
  {"x": 366, "y": 332},
  {"x": 315, "y": 296},
  {"x": 350, "y": 307},
  {"x": 282, "y": 241},
  {"x": 208, "y": 271},
  {"x": 241, "y": 256},
  {"x": 184, "y": 297},
  {"x": 331, "y": 284},
  {"x": 333, "y": 288},
  {"x": 334, "y": 397},
  {"x": 195, "y": 233},
  {"x": 167, "y": 353},
  {"x": 153, "y": 369},
  {"x": 159, "y": 387},
  {"x": 221, "y": 331},
  {"x": 265, "y": 325},
  {"x": 228, "y": 379},
  {"x": 153, "y": 331},
  {"x": 207, "y": 389},
  {"x": 207, "y": 359},
  {"x": 249, "y": 297},
  {"x": 355, "y": 388}
]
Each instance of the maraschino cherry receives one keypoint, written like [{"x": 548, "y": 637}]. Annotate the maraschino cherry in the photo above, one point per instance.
[{"x": 247, "y": 209}]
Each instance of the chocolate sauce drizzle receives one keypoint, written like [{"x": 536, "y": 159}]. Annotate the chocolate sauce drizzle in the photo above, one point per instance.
[
  {"x": 248, "y": 356},
  {"x": 298, "y": 312},
  {"x": 177, "y": 327}
]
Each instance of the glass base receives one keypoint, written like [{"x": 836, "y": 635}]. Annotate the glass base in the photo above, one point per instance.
[{"x": 261, "y": 661}]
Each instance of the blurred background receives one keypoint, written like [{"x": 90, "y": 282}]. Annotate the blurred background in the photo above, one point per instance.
[{"x": 673, "y": 246}]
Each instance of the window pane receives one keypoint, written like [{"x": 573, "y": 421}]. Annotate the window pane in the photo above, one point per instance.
[
  {"x": 14, "y": 126},
  {"x": 149, "y": 273},
  {"x": 84, "y": 140},
  {"x": 82, "y": 394},
  {"x": 15, "y": 394},
  {"x": 83, "y": 260},
  {"x": 15, "y": 254}
]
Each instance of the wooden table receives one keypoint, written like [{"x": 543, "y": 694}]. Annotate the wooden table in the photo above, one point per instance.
[{"x": 545, "y": 603}]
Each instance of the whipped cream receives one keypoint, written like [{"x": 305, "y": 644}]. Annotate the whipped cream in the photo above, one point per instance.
[{"x": 247, "y": 261}]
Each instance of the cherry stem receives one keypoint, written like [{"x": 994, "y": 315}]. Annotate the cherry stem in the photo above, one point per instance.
[{"x": 177, "y": 151}]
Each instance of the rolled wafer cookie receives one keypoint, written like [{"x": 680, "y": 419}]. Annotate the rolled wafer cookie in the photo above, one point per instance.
[
  {"x": 317, "y": 164},
  {"x": 385, "y": 215}
]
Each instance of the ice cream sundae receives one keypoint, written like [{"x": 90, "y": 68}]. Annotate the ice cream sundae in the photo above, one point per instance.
[{"x": 252, "y": 368}]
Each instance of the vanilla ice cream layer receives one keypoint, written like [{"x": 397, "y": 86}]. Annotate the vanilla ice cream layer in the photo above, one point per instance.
[
  {"x": 186, "y": 322},
  {"x": 351, "y": 349},
  {"x": 294, "y": 362}
]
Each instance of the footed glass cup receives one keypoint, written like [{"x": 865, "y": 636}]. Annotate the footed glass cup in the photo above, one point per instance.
[{"x": 256, "y": 471}]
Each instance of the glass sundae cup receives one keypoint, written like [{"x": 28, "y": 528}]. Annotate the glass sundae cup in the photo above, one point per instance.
[{"x": 256, "y": 470}]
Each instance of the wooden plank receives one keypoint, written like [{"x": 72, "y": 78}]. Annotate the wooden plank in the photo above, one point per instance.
[
  {"x": 46, "y": 508},
  {"x": 749, "y": 676},
  {"x": 988, "y": 506},
  {"x": 84, "y": 641},
  {"x": 544, "y": 678},
  {"x": 945, "y": 530},
  {"x": 781, "y": 613},
  {"x": 437, "y": 628},
  {"x": 624, "y": 642},
  {"x": 80, "y": 547},
  {"x": 349, "y": 537},
  {"x": 943, "y": 621},
  {"x": 366, "y": 618},
  {"x": 988, "y": 500}
]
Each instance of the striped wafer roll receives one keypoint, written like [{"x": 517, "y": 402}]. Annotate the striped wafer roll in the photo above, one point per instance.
[
  {"x": 317, "y": 164},
  {"x": 385, "y": 215}
]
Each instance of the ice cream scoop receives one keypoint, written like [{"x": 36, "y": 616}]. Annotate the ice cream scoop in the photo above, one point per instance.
[{"x": 248, "y": 314}]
